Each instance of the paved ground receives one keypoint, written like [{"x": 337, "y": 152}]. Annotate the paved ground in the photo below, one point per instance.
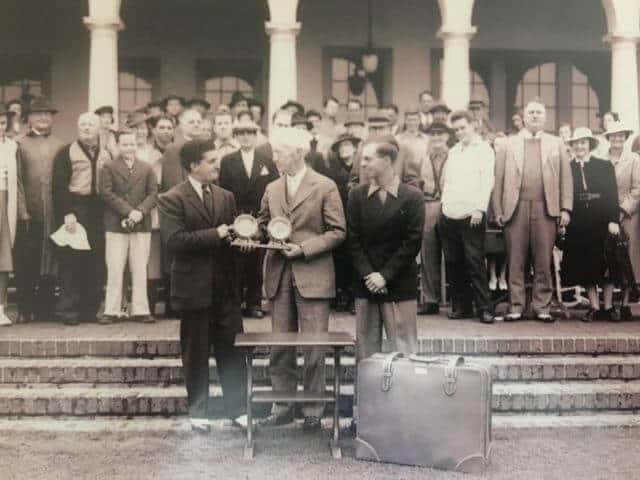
[
  {"x": 609, "y": 454},
  {"x": 434, "y": 326}
]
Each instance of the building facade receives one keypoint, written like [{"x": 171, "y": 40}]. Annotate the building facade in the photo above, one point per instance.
[{"x": 580, "y": 56}]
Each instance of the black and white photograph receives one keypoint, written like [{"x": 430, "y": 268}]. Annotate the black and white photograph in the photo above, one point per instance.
[{"x": 319, "y": 239}]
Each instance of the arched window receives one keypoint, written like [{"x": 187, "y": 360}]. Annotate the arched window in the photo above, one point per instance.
[
  {"x": 539, "y": 81},
  {"x": 20, "y": 89},
  {"x": 218, "y": 89},
  {"x": 584, "y": 101},
  {"x": 138, "y": 81},
  {"x": 341, "y": 69}
]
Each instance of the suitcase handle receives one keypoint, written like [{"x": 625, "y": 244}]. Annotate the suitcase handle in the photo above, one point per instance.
[
  {"x": 450, "y": 384},
  {"x": 387, "y": 374}
]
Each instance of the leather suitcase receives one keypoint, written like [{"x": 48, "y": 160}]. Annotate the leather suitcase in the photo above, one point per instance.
[{"x": 431, "y": 412}]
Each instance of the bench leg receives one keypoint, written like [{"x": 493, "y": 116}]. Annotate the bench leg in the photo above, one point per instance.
[
  {"x": 249, "y": 447},
  {"x": 334, "y": 444}
]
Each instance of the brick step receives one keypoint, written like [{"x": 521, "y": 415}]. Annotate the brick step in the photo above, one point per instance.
[
  {"x": 471, "y": 345},
  {"x": 510, "y": 397},
  {"x": 180, "y": 424},
  {"x": 168, "y": 370}
]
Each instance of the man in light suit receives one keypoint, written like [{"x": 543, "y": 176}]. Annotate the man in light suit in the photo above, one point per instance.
[
  {"x": 300, "y": 280},
  {"x": 533, "y": 194},
  {"x": 194, "y": 219}
]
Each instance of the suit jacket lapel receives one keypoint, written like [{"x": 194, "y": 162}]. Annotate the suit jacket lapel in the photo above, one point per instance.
[
  {"x": 242, "y": 172},
  {"x": 256, "y": 168},
  {"x": 218, "y": 204},
  {"x": 518, "y": 152},
  {"x": 304, "y": 190},
  {"x": 280, "y": 196},
  {"x": 545, "y": 148},
  {"x": 196, "y": 202}
]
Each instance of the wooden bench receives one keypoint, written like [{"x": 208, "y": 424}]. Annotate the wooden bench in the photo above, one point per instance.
[{"x": 335, "y": 340}]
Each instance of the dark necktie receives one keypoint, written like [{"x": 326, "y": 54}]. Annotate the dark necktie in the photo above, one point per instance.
[{"x": 207, "y": 198}]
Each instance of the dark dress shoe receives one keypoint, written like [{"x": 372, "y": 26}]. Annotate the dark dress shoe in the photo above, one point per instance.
[
  {"x": 311, "y": 424},
  {"x": 253, "y": 313},
  {"x": 590, "y": 315},
  {"x": 487, "y": 317},
  {"x": 608, "y": 315},
  {"x": 144, "y": 318},
  {"x": 71, "y": 321},
  {"x": 459, "y": 315},
  {"x": 625, "y": 313},
  {"x": 25, "y": 317},
  {"x": 276, "y": 420},
  {"x": 429, "y": 309},
  {"x": 614, "y": 315}
]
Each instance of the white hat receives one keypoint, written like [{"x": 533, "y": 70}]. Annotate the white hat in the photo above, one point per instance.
[
  {"x": 584, "y": 133},
  {"x": 617, "y": 127}
]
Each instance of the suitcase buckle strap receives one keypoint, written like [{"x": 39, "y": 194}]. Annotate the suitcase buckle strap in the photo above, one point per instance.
[
  {"x": 387, "y": 374},
  {"x": 450, "y": 385}
]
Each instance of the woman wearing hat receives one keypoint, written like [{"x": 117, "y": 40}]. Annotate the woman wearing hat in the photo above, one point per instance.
[
  {"x": 594, "y": 217},
  {"x": 627, "y": 169},
  {"x": 11, "y": 205},
  {"x": 340, "y": 164}
]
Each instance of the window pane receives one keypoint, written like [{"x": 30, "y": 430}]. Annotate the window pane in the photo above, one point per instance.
[
  {"x": 142, "y": 84},
  {"x": 212, "y": 83},
  {"x": 548, "y": 73},
  {"x": 143, "y": 97},
  {"x": 594, "y": 121},
  {"x": 126, "y": 80},
  {"x": 340, "y": 91},
  {"x": 127, "y": 100},
  {"x": 551, "y": 119},
  {"x": 548, "y": 94},
  {"x": 579, "y": 96},
  {"x": 577, "y": 76},
  {"x": 12, "y": 92},
  {"x": 229, "y": 83},
  {"x": 244, "y": 86},
  {"x": 529, "y": 92},
  {"x": 580, "y": 117},
  {"x": 35, "y": 90},
  {"x": 532, "y": 75},
  {"x": 226, "y": 97},
  {"x": 340, "y": 69},
  {"x": 213, "y": 99}
]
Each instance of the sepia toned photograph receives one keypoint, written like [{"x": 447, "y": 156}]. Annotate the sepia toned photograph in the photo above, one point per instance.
[{"x": 319, "y": 239}]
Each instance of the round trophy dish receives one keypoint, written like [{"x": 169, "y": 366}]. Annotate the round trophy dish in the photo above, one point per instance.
[
  {"x": 279, "y": 229},
  {"x": 245, "y": 226}
]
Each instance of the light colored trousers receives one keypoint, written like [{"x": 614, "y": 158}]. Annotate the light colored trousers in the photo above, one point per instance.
[
  {"x": 120, "y": 248},
  {"x": 431, "y": 255}
]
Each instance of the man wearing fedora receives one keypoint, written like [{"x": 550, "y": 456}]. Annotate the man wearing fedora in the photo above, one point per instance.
[
  {"x": 35, "y": 263},
  {"x": 246, "y": 173},
  {"x": 300, "y": 281},
  {"x": 533, "y": 195},
  {"x": 412, "y": 137},
  {"x": 107, "y": 134}
]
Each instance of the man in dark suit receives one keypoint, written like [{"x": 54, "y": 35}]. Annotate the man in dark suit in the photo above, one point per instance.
[
  {"x": 194, "y": 218},
  {"x": 173, "y": 172},
  {"x": 300, "y": 280},
  {"x": 246, "y": 173},
  {"x": 385, "y": 219}
]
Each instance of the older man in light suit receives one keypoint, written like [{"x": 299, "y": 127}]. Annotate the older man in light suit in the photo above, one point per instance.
[
  {"x": 533, "y": 194},
  {"x": 300, "y": 280}
]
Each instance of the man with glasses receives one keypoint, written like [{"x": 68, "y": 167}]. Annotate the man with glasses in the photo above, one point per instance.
[{"x": 246, "y": 173}]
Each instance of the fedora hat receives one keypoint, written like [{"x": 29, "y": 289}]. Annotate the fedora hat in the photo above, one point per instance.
[
  {"x": 618, "y": 127},
  {"x": 41, "y": 104},
  {"x": 344, "y": 137},
  {"x": 104, "y": 110},
  {"x": 245, "y": 125},
  {"x": 236, "y": 98},
  {"x": 297, "y": 119},
  {"x": 292, "y": 103},
  {"x": 135, "y": 118},
  {"x": 378, "y": 118},
  {"x": 440, "y": 107},
  {"x": 584, "y": 133}
]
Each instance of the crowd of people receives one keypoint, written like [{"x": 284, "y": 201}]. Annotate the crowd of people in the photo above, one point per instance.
[
  {"x": 492, "y": 201},
  {"x": 145, "y": 215}
]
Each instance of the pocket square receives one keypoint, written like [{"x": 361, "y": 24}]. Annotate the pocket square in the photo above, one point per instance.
[{"x": 264, "y": 171}]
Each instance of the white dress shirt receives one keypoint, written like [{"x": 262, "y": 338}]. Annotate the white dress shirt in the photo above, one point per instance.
[
  {"x": 293, "y": 182},
  {"x": 247, "y": 160},
  {"x": 468, "y": 179},
  {"x": 197, "y": 186}
]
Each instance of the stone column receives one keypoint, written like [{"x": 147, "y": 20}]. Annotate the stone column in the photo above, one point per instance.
[
  {"x": 104, "y": 23},
  {"x": 623, "y": 22},
  {"x": 282, "y": 30},
  {"x": 624, "y": 79},
  {"x": 456, "y": 32}
]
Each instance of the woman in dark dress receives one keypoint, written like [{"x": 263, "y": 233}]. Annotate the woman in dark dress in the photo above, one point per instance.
[
  {"x": 340, "y": 163},
  {"x": 594, "y": 217}
]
